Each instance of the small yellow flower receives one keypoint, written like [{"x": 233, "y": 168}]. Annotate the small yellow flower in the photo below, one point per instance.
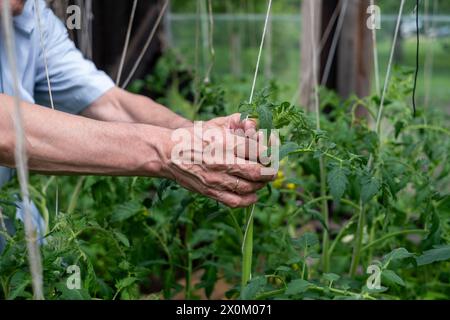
[
  {"x": 295, "y": 267},
  {"x": 280, "y": 175},
  {"x": 291, "y": 186},
  {"x": 278, "y": 184}
]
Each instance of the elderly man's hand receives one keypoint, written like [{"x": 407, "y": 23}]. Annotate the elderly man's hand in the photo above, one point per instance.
[{"x": 212, "y": 160}]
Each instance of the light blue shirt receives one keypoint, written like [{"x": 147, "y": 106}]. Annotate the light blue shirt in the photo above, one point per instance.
[{"x": 76, "y": 83}]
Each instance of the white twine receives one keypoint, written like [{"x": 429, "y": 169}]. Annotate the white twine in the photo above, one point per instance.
[
  {"x": 34, "y": 255},
  {"x": 146, "y": 46},
  {"x": 127, "y": 42},
  {"x": 44, "y": 52},
  {"x": 250, "y": 219},
  {"x": 334, "y": 43},
  {"x": 388, "y": 73}
]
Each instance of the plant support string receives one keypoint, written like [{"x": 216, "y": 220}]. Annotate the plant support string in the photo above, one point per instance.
[
  {"x": 34, "y": 255},
  {"x": 247, "y": 244}
]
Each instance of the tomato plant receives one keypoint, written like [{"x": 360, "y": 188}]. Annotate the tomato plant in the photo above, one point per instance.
[{"x": 136, "y": 237}]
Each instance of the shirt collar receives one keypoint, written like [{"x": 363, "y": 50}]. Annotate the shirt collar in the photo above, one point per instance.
[{"x": 25, "y": 21}]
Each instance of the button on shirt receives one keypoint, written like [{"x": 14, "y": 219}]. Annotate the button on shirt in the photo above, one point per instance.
[{"x": 76, "y": 83}]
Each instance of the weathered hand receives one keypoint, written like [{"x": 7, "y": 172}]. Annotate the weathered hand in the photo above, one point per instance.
[{"x": 209, "y": 159}]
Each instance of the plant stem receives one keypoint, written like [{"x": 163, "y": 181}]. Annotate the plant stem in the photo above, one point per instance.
[
  {"x": 325, "y": 213},
  {"x": 188, "y": 289},
  {"x": 428, "y": 127},
  {"x": 247, "y": 249},
  {"x": 359, "y": 238},
  {"x": 340, "y": 235},
  {"x": 75, "y": 195},
  {"x": 270, "y": 294},
  {"x": 392, "y": 235}
]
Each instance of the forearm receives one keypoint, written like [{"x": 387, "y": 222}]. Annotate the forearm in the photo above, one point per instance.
[
  {"x": 60, "y": 143},
  {"x": 118, "y": 105}
]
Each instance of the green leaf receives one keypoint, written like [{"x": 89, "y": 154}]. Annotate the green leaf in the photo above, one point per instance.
[
  {"x": 392, "y": 277},
  {"x": 18, "y": 283},
  {"x": 337, "y": 181},
  {"x": 69, "y": 294},
  {"x": 122, "y": 238},
  {"x": 265, "y": 117},
  {"x": 126, "y": 282},
  {"x": 255, "y": 286},
  {"x": 319, "y": 217},
  {"x": 306, "y": 240},
  {"x": 369, "y": 188},
  {"x": 286, "y": 149},
  {"x": 331, "y": 277},
  {"x": 283, "y": 269},
  {"x": 397, "y": 254},
  {"x": 125, "y": 211},
  {"x": 297, "y": 286},
  {"x": 434, "y": 255}
]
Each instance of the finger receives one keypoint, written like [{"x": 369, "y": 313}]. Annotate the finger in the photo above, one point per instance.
[
  {"x": 235, "y": 122},
  {"x": 233, "y": 200},
  {"x": 232, "y": 183},
  {"x": 245, "y": 148},
  {"x": 251, "y": 171}
]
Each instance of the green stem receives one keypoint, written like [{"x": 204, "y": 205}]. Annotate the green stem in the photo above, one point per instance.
[
  {"x": 340, "y": 235},
  {"x": 274, "y": 293},
  {"x": 75, "y": 195},
  {"x": 325, "y": 213},
  {"x": 428, "y": 127},
  {"x": 392, "y": 235},
  {"x": 359, "y": 238},
  {"x": 247, "y": 249},
  {"x": 188, "y": 289},
  {"x": 236, "y": 226},
  {"x": 371, "y": 237}
]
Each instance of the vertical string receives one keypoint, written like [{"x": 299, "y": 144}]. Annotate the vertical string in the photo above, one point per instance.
[
  {"x": 269, "y": 7},
  {"x": 261, "y": 46},
  {"x": 44, "y": 51},
  {"x": 34, "y": 255},
  {"x": 127, "y": 42},
  {"x": 388, "y": 73},
  {"x": 334, "y": 43},
  {"x": 417, "y": 58},
  {"x": 375, "y": 53},
  {"x": 147, "y": 45}
]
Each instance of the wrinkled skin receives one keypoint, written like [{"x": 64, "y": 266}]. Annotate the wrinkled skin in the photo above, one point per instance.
[
  {"x": 16, "y": 6},
  {"x": 235, "y": 185}
]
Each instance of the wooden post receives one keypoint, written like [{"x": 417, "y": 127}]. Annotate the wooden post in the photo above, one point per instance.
[
  {"x": 351, "y": 69},
  {"x": 355, "y": 58},
  {"x": 307, "y": 42}
]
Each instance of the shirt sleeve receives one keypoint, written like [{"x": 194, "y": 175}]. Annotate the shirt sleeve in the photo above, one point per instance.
[{"x": 76, "y": 83}]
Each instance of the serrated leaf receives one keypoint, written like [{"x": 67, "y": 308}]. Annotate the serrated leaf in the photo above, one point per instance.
[
  {"x": 392, "y": 277},
  {"x": 297, "y": 286},
  {"x": 397, "y": 254},
  {"x": 286, "y": 149},
  {"x": 265, "y": 117},
  {"x": 122, "y": 238},
  {"x": 434, "y": 255},
  {"x": 255, "y": 286},
  {"x": 126, "y": 282},
  {"x": 337, "y": 181},
  {"x": 284, "y": 269},
  {"x": 331, "y": 277},
  {"x": 369, "y": 188},
  {"x": 125, "y": 211},
  {"x": 306, "y": 240}
]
